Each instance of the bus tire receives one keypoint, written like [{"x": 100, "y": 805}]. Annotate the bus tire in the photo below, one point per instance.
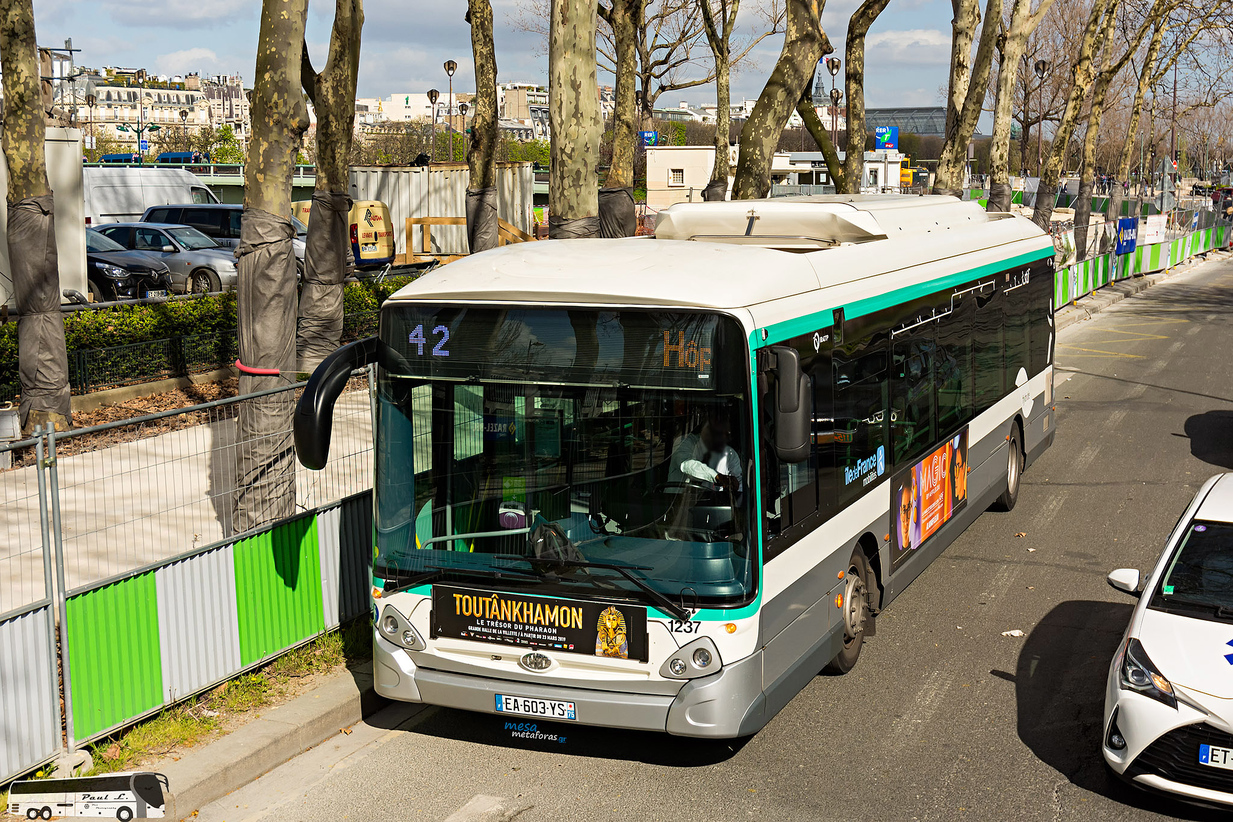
[
  {"x": 855, "y": 614},
  {"x": 124, "y": 814},
  {"x": 32, "y": 813},
  {"x": 45, "y": 813},
  {"x": 1014, "y": 472}
]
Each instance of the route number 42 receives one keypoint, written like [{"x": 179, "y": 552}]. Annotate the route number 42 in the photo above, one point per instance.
[{"x": 417, "y": 339}]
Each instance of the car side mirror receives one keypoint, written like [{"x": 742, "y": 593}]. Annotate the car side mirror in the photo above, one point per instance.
[
  {"x": 169, "y": 249},
  {"x": 790, "y": 402},
  {"x": 1125, "y": 580}
]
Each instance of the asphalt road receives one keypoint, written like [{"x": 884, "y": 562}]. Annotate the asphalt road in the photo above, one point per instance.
[{"x": 944, "y": 718}]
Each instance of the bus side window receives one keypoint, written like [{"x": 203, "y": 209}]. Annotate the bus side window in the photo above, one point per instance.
[
  {"x": 1016, "y": 308},
  {"x": 953, "y": 367},
  {"x": 987, "y": 353},
  {"x": 861, "y": 394},
  {"x": 913, "y": 421},
  {"x": 1041, "y": 332}
]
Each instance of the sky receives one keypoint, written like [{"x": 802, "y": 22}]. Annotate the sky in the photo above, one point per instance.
[{"x": 405, "y": 44}]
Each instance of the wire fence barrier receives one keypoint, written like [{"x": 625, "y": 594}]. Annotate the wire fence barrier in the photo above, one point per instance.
[
  {"x": 24, "y": 549},
  {"x": 137, "y": 492}
]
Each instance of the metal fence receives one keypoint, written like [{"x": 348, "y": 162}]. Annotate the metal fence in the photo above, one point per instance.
[{"x": 124, "y": 586}]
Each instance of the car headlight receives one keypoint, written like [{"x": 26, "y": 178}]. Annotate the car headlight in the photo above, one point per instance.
[
  {"x": 1138, "y": 674},
  {"x": 115, "y": 272}
]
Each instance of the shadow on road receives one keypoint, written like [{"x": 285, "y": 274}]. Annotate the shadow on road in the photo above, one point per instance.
[
  {"x": 573, "y": 740},
  {"x": 1210, "y": 439},
  {"x": 1059, "y": 691}
]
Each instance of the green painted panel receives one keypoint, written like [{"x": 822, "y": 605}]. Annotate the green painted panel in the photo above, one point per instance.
[
  {"x": 114, "y": 661},
  {"x": 278, "y": 588}
]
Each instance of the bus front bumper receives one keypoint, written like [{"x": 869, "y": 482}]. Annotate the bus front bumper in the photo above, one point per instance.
[{"x": 723, "y": 705}]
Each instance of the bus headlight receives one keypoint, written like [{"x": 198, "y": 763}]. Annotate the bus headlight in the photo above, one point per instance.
[
  {"x": 698, "y": 658},
  {"x": 398, "y": 629}
]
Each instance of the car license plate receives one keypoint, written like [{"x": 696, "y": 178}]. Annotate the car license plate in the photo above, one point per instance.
[
  {"x": 368, "y": 248},
  {"x": 543, "y": 708},
  {"x": 1216, "y": 757},
  {"x": 162, "y": 292}
]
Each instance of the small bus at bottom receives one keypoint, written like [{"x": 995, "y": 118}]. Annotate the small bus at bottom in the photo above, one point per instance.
[{"x": 123, "y": 796}]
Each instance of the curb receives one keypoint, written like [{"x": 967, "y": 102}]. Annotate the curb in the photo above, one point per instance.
[
  {"x": 1105, "y": 296},
  {"x": 205, "y": 774}
]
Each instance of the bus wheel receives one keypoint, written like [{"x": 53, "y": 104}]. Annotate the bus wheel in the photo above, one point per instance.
[
  {"x": 855, "y": 614},
  {"x": 45, "y": 813},
  {"x": 32, "y": 813},
  {"x": 1014, "y": 470},
  {"x": 124, "y": 814}
]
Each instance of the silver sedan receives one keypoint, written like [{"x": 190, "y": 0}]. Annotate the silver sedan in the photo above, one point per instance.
[{"x": 197, "y": 263}]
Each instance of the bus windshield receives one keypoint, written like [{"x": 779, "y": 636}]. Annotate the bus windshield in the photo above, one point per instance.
[{"x": 536, "y": 448}]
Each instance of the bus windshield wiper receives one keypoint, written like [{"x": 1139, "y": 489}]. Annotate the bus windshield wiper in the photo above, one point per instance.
[
  {"x": 678, "y": 611},
  {"x": 436, "y": 572}
]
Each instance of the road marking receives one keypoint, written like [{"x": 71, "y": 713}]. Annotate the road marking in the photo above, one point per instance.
[
  {"x": 927, "y": 702},
  {"x": 1051, "y": 507},
  {"x": 1085, "y": 457},
  {"x": 1001, "y": 582},
  {"x": 1115, "y": 419}
]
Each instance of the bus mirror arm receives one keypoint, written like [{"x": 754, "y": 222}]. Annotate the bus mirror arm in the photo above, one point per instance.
[
  {"x": 791, "y": 404},
  {"x": 314, "y": 413}
]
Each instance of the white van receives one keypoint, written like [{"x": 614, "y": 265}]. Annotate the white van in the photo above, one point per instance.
[{"x": 121, "y": 195}]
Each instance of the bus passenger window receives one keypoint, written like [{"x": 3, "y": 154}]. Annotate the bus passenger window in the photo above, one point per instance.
[
  {"x": 987, "y": 350},
  {"x": 953, "y": 368},
  {"x": 861, "y": 394},
  {"x": 912, "y": 414}
]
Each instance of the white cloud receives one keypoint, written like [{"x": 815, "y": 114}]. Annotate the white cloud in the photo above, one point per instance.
[
  {"x": 177, "y": 14},
  {"x": 908, "y": 47},
  {"x": 201, "y": 60}
]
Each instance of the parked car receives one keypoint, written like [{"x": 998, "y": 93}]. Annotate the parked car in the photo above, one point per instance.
[
  {"x": 1169, "y": 697},
  {"x": 197, "y": 263},
  {"x": 220, "y": 222},
  {"x": 115, "y": 273}
]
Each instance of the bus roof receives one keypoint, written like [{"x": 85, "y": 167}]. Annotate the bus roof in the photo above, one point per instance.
[{"x": 713, "y": 255}]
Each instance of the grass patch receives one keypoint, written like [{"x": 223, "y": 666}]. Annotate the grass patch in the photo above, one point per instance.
[{"x": 195, "y": 721}]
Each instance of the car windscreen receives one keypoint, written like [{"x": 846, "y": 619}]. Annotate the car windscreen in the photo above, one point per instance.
[
  {"x": 191, "y": 238},
  {"x": 97, "y": 242},
  {"x": 1199, "y": 578}
]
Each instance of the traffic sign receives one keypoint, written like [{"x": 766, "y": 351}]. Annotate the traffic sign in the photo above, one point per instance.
[
  {"x": 649, "y": 138},
  {"x": 886, "y": 138},
  {"x": 145, "y": 145}
]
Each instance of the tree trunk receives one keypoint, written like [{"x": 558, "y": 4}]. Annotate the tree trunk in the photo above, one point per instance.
[
  {"x": 265, "y": 300},
  {"x": 1003, "y": 107},
  {"x": 717, "y": 189},
  {"x": 328, "y": 254},
  {"x": 1093, "y": 35},
  {"x": 616, "y": 201},
  {"x": 968, "y": 88},
  {"x": 804, "y": 44},
  {"x": 41, "y": 355},
  {"x": 816, "y": 129},
  {"x": 1136, "y": 111},
  {"x": 1087, "y": 172},
  {"x": 573, "y": 111},
  {"x": 482, "y": 217},
  {"x": 854, "y": 88}
]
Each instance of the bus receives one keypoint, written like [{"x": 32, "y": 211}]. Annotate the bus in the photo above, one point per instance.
[
  {"x": 661, "y": 483},
  {"x": 123, "y": 796}
]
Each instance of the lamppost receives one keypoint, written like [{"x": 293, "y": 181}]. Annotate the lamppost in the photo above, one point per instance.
[
  {"x": 91, "y": 102},
  {"x": 832, "y": 65},
  {"x": 450, "y": 68},
  {"x": 142, "y": 128},
  {"x": 462, "y": 112},
  {"x": 433, "y": 95},
  {"x": 1040, "y": 68},
  {"x": 184, "y": 129}
]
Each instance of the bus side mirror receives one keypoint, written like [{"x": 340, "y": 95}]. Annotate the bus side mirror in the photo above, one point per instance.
[
  {"x": 791, "y": 406},
  {"x": 314, "y": 413}
]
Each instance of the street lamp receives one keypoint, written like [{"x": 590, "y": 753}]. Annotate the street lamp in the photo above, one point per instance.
[
  {"x": 832, "y": 65},
  {"x": 184, "y": 129},
  {"x": 142, "y": 128},
  {"x": 450, "y": 68},
  {"x": 91, "y": 101},
  {"x": 433, "y": 94},
  {"x": 1040, "y": 68}
]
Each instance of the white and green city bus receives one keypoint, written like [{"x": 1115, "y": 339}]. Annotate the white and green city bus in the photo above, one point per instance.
[{"x": 660, "y": 483}]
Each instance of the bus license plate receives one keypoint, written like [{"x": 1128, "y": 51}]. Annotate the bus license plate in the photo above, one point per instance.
[
  {"x": 543, "y": 708},
  {"x": 1216, "y": 757}
]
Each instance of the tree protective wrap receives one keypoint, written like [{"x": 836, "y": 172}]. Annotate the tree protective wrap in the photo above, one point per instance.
[
  {"x": 999, "y": 196},
  {"x": 327, "y": 259},
  {"x": 482, "y": 225},
  {"x": 617, "y": 217},
  {"x": 583, "y": 228},
  {"x": 715, "y": 191},
  {"x": 41, "y": 355},
  {"x": 265, "y": 451}
]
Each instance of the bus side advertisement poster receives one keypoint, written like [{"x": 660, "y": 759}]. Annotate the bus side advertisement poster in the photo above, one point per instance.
[
  {"x": 925, "y": 496},
  {"x": 607, "y": 629}
]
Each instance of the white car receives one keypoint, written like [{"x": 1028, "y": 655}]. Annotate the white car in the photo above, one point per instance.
[{"x": 1168, "y": 723}]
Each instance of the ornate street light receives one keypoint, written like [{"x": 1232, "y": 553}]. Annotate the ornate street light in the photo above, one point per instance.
[
  {"x": 836, "y": 96},
  {"x": 433, "y": 96},
  {"x": 1041, "y": 67},
  {"x": 450, "y": 68}
]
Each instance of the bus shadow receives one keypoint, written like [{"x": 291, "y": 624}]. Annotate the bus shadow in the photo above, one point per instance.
[
  {"x": 1210, "y": 440},
  {"x": 529, "y": 734},
  {"x": 1060, "y": 692}
]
